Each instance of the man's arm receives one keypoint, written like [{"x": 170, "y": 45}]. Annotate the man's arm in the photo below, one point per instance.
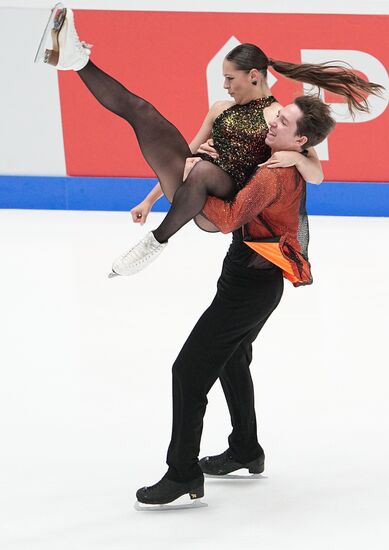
[{"x": 262, "y": 190}]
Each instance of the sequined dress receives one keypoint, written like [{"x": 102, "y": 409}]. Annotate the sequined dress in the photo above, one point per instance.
[{"x": 239, "y": 135}]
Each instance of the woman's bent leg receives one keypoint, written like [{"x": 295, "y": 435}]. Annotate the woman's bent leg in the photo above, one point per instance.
[
  {"x": 203, "y": 223},
  {"x": 162, "y": 145},
  {"x": 204, "y": 179},
  {"x": 189, "y": 200}
]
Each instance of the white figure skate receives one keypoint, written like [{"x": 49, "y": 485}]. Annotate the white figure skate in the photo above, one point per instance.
[
  {"x": 138, "y": 257},
  {"x": 55, "y": 22},
  {"x": 67, "y": 52}
]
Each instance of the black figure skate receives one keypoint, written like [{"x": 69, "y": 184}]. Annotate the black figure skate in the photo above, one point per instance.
[
  {"x": 164, "y": 495},
  {"x": 222, "y": 466}
]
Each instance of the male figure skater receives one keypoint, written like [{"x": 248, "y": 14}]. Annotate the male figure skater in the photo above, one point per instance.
[{"x": 270, "y": 210}]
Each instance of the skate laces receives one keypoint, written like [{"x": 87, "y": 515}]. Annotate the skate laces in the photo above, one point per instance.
[
  {"x": 81, "y": 45},
  {"x": 78, "y": 42},
  {"x": 140, "y": 251}
]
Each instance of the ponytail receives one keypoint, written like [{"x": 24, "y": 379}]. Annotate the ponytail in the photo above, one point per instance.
[{"x": 339, "y": 79}]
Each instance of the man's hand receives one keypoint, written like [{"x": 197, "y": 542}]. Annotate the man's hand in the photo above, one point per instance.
[
  {"x": 208, "y": 148},
  {"x": 189, "y": 163},
  {"x": 282, "y": 159}
]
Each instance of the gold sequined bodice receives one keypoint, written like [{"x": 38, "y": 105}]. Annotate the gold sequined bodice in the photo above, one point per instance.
[{"x": 239, "y": 135}]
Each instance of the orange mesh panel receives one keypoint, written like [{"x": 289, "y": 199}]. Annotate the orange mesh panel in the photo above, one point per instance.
[{"x": 272, "y": 252}]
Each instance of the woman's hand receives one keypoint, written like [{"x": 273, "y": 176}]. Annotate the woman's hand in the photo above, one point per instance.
[
  {"x": 140, "y": 212},
  {"x": 282, "y": 159},
  {"x": 189, "y": 163},
  {"x": 208, "y": 148}
]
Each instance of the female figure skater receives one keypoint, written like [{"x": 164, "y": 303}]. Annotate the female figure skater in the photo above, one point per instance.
[
  {"x": 220, "y": 343},
  {"x": 238, "y": 132}
]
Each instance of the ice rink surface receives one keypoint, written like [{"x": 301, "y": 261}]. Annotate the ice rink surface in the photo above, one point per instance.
[{"x": 85, "y": 402}]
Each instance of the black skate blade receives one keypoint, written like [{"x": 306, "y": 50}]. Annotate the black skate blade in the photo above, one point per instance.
[
  {"x": 236, "y": 476},
  {"x": 57, "y": 16},
  {"x": 140, "y": 507}
]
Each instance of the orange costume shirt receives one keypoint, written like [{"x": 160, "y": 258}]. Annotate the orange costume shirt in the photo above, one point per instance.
[{"x": 271, "y": 210}]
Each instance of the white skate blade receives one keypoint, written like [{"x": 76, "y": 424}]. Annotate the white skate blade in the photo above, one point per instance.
[
  {"x": 112, "y": 275},
  {"x": 40, "y": 54},
  {"x": 236, "y": 476},
  {"x": 140, "y": 507}
]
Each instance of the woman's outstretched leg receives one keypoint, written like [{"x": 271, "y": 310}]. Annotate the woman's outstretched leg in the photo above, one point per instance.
[
  {"x": 164, "y": 149},
  {"x": 162, "y": 145}
]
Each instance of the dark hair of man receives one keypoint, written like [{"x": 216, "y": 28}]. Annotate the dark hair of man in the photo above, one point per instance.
[{"x": 316, "y": 122}]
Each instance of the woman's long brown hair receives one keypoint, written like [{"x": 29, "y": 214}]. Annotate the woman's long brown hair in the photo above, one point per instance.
[{"x": 340, "y": 79}]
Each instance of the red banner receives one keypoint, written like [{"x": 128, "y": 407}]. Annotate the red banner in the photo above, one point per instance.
[{"x": 163, "y": 57}]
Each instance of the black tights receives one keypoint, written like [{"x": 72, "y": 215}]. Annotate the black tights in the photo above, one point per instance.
[{"x": 165, "y": 150}]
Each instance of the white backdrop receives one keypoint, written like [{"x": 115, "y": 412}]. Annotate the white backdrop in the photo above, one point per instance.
[{"x": 282, "y": 6}]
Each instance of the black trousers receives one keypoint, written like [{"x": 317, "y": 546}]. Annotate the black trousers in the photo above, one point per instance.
[{"x": 219, "y": 346}]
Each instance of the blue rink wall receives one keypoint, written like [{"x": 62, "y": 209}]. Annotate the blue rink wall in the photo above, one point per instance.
[{"x": 121, "y": 194}]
